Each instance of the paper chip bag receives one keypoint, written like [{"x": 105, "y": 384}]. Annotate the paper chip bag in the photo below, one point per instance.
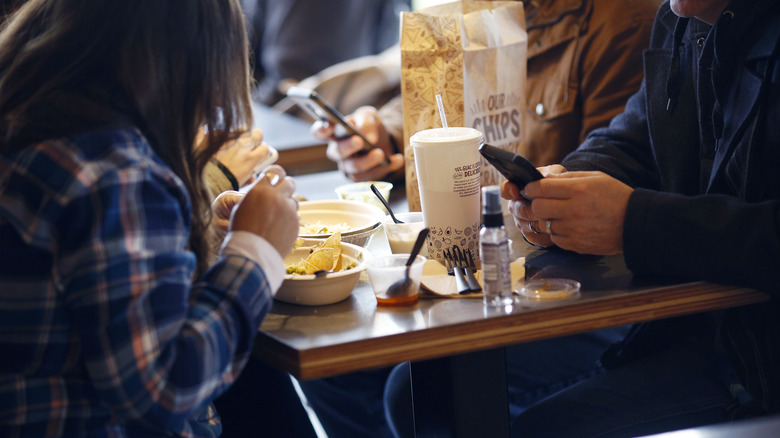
[{"x": 473, "y": 53}]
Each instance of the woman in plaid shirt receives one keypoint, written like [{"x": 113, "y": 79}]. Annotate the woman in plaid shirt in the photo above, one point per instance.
[{"x": 111, "y": 322}]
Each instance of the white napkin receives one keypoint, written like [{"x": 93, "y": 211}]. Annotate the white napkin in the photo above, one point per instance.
[{"x": 436, "y": 282}]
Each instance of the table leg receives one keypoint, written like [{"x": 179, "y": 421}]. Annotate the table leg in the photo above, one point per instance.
[{"x": 461, "y": 396}]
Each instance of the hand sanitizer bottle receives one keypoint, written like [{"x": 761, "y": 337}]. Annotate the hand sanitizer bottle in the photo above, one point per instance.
[{"x": 494, "y": 251}]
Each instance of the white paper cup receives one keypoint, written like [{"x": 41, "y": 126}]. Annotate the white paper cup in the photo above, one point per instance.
[
  {"x": 361, "y": 192},
  {"x": 402, "y": 237},
  {"x": 387, "y": 270},
  {"x": 447, "y": 161}
]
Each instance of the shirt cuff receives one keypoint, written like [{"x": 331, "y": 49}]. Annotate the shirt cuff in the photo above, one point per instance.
[{"x": 257, "y": 249}]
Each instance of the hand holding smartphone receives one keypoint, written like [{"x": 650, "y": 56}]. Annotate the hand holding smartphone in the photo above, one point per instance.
[
  {"x": 316, "y": 107},
  {"x": 514, "y": 167}
]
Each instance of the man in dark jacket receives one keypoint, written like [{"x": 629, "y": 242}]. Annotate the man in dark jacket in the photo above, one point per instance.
[{"x": 682, "y": 183}]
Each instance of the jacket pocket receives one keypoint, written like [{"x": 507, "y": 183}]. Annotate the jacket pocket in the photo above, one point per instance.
[{"x": 552, "y": 81}]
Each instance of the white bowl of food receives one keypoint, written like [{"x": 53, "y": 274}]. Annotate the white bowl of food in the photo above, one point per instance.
[
  {"x": 302, "y": 286},
  {"x": 356, "y": 221},
  {"x": 361, "y": 192}
]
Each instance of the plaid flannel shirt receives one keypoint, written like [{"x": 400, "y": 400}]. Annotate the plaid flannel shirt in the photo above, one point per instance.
[{"x": 102, "y": 330}]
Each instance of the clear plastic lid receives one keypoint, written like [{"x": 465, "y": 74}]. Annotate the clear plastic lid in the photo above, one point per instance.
[
  {"x": 550, "y": 289},
  {"x": 446, "y": 136}
]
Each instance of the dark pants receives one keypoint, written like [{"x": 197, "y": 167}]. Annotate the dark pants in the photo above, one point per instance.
[
  {"x": 535, "y": 370},
  {"x": 350, "y": 406},
  {"x": 263, "y": 403},
  {"x": 676, "y": 388}
]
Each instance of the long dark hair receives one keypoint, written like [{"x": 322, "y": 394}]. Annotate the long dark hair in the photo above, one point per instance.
[{"x": 166, "y": 66}]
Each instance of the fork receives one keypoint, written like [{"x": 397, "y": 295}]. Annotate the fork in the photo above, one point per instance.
[
  {"x": 468, "y": 266},
  {"x": 460, "y": 279}
]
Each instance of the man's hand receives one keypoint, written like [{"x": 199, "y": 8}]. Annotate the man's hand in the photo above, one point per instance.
[{"x": 579, "y": 211}]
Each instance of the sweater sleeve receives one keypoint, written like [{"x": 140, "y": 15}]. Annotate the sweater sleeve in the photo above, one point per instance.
[{"x": 157, "y": 346}]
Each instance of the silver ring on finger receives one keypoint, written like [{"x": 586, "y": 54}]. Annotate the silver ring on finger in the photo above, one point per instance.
[
  {"x": 548, "y": 227},
  {"x": 533, "y": 229}
]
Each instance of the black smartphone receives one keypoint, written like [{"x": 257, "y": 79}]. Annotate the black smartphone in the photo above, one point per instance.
[
  {"x": 514, "y": 167},
  {"x": 319, "y": 109}
]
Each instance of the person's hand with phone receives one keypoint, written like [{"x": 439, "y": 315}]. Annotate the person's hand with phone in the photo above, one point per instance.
[
  {"x": 520, "y": 208},
  {"x": 578, "y": 211},
  {"x": 349, "y": 153}
]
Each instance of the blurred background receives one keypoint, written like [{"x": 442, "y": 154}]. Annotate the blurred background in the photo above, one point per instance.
[{"x": 417, "y": 4}]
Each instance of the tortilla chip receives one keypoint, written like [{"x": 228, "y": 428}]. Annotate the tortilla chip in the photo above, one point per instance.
[
  {"x": 334, "y": 241},
  {"x": 309, "y": 268},
  {"x": 321, "y": 259}
]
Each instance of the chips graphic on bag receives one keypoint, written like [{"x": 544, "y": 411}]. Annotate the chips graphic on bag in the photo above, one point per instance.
[{"x": 473, "y": 54}]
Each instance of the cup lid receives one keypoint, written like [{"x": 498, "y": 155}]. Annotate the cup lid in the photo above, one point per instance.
[
  {"x": 446, "y": 135},
  {"x": 547, "y": 289}
]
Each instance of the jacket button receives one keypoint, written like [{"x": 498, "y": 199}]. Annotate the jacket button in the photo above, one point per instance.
[
  {"x": 540, "y": 110},
  {"x": 700, "y": 42}
]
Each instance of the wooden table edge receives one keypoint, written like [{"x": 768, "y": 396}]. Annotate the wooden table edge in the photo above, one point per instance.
[{"x": 658, "y": 303}]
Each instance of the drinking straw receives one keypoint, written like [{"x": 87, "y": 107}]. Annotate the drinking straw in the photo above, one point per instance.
[{"x": 441, "y": 111}]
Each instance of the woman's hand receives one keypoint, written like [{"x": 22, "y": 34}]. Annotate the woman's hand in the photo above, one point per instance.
[
  {"x": 242, "y": 155},
  {"x": 222, "y": 209},
  {"x": 268, "y": 209},
  {"x": 359, "y": 167}
]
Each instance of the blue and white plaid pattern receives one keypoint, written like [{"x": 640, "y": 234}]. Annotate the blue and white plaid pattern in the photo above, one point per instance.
[{"x": 102, "y": 330}]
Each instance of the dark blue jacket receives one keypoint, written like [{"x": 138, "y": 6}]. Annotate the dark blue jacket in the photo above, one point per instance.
[{"x": 701, "y": 143}]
